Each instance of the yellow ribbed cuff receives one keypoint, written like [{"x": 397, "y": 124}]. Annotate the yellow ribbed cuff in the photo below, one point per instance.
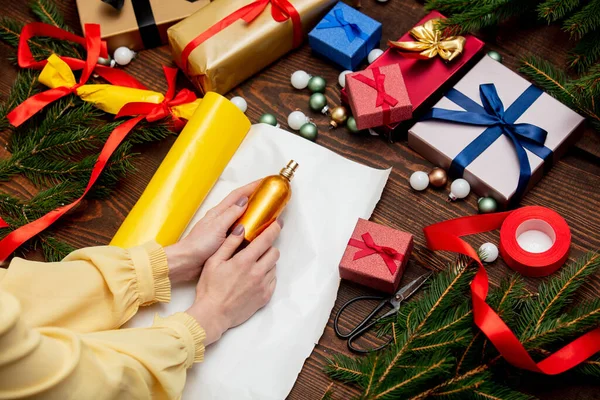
[
  {"x": 189, "y": 331},
  {"x": 152, "y": 270}
]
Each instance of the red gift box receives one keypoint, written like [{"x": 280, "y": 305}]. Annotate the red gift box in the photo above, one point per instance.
[
  {"x": 376, "y": 256},
  {"x": 423, "y": 78},
  {"x": 378, "y": 96}
]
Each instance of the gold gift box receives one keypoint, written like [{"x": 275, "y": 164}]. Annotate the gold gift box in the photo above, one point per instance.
[
  {"x": 242, "y": 49},
  {"x": 120, "y": 27}
]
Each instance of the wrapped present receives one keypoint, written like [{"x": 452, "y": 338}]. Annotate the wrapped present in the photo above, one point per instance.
[
  {"x": 345, "y": 36},
  {"x": 229, "y": 41},
  {"x": 376, "y": 256},
  {"x": 497, "y": 131},
  {"x": 136, "y": 24},
  {"x": 378, "y": 96},
  {"x": 424, "y": 76}
]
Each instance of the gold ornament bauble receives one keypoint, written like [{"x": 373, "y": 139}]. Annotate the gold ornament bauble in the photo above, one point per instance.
[
  {"x": 339, "y": 115},
  {"x": 438, "y": 177}
]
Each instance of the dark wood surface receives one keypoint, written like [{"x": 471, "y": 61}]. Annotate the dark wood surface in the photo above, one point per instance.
[{"x": 571, "y": 187}]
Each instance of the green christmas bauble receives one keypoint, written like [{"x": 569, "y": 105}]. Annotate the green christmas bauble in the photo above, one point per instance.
[
  {"x": 351, "y": 124},
  {"x": 487, "y": 205},
  {"x": 495, "y": 55},
  {"x": 268, "y": 119},
  {"x": 317, "y": 101},
  {"x": 316, "y": 84},
  {"x": 309, "y": 131}
]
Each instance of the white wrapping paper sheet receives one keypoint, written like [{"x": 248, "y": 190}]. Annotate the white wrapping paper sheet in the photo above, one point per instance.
[{"x": 262, "y": 358}]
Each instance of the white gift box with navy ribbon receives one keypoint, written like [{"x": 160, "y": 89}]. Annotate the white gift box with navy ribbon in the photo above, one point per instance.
[{"x": 496, "y": 130}]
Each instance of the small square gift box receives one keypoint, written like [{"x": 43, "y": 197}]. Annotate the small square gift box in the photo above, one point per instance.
[
  {"x": 378, "y": 96},
  {"x": 345, "y": 36},
  {"x": 424, "y": 69},
  {"x": 376, "y": 256},
  {"x": 497, "y": 131}
]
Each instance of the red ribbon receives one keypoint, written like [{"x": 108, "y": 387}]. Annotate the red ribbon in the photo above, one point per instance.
[
  {"x": 26, "y": 60},
  {"x": 155, "y": 111},
  {"x": 281, "y": 11},
  {"x": 384, "y": 100},
  {"x": 446, "y": 236},
  {"x": 368, "y": 247}
]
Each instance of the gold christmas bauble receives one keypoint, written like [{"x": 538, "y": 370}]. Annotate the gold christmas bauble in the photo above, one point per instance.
[
  {"x": 438, "y": 177},
  {"x": 339, "y": 115}
]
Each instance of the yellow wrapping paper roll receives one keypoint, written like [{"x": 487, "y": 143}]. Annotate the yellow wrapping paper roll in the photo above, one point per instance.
[
  {"x": 108, "y": 98},
  {"x": 186, "y": 175}
]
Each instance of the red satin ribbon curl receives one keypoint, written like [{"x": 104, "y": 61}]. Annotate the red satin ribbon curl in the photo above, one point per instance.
[
  {"x": 25, "y": 57},
  {"x": 384, "y": 100},
  {"x": 446, "y": 236},
  {"x": 281, "y": 11},
  {"x": 143, "y": 110},
  {"x": 368, "y": 247}
]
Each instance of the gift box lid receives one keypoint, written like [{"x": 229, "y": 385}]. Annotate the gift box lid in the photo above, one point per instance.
[
  {"x": 345, "y": 36},
  {"x": 496, "y": 171},
  {"x": 363, "y": 98},
  {"x": 424, "y": 77}
]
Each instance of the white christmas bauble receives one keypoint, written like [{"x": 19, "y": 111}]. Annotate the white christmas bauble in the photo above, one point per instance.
[
  {"x": 419, "y": 180},
  {"x": 296, "y": 119},
  {"x": 374, "y": 55},
  {"x": 240, "y": 103},
  {"x": 342, "y": 78},
  {"x": 123, "y": 55},
  {"x": 459, "y": 189},
  {"x": 300, "y": 79},
  {"x": 489, "y": 252}
]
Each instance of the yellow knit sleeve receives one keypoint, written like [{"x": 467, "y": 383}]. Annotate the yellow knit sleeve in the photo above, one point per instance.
[
  {"x": 58, "y": 363},
  {"x": 92, "y": 289}
]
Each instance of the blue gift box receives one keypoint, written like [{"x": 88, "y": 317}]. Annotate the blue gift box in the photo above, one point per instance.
[{"x": 345, "y": 36}]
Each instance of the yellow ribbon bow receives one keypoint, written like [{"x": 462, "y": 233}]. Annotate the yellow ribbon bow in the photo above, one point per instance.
[{"x": 431, "y": 42}]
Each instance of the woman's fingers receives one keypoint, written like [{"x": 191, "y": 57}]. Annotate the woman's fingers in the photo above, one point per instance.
[
  {"x": 268, "y": 260},
  {"x": 229, "y": 246},
  {"x": 262, "y": 243},
  {"x": 234, "y": 197},
  {"x": 228, "y": 217}
]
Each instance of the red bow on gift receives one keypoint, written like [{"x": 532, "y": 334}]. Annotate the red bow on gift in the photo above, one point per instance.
[
  {"x": 368, "y": 247},
  {"x": 281, "y": 11},
  {"x": 154, "y": 112},
  {"x": 384, "y": 100}
]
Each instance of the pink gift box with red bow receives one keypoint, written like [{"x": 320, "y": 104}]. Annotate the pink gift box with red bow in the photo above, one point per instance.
[
  {"x": 378, "y": 96},
  {"x": 376, "y": 256}
]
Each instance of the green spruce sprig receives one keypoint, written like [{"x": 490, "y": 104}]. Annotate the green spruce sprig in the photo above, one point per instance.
[{"x": 468, "y": 366}]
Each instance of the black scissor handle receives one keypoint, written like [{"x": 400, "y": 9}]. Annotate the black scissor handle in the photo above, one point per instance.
[
  {"x": 359, "y": 333},
  {"x": 364, "y": 322}
]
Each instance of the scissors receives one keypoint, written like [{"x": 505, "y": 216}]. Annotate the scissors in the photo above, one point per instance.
[{"x": 394, "y": 301}]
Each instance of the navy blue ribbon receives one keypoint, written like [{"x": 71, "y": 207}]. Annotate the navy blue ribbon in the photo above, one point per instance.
[
  {"x": 337, "y": 21},
  {"x": 499, "y": 122}
]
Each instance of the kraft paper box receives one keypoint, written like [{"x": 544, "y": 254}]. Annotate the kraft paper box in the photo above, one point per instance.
[
  {"x": 495, "y": 172},
  {"x": 345, "y": 36},
  {"x": 425, "y": 78},
  {"x": 364, "y": 261},
  {"x": 140, "y": 23},
  {"x": 364, "y": 97},
  {"x": 241, "y": 49}
]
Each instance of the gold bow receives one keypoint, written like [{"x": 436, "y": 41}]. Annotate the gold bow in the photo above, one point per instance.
[{"x": 431, "y": 42}]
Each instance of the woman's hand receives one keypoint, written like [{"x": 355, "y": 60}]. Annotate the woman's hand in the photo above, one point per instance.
[
  {"x": 233, "y": 287},
  {"x": 186, "y": 257}
]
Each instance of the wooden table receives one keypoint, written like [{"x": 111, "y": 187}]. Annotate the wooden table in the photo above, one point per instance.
[{"x": 571, "y": 187}]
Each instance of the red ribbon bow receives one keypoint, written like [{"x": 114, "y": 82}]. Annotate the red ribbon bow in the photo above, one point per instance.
[
  {"x": 383, "y": 100},
  {"x": 368, "y": 247},
  {"x": 16, "y": 238},
  {"x": 94, "y": 47},
  {"x": 154, "y": 112},
  {"x": 446, "y": 236},
  {"x": 281, "y": 11}
]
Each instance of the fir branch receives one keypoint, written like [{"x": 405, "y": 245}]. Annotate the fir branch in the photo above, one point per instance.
[
  {"x": 553, "y": 10},
  {"x": 448, "y": 6},
  {"x": 585, "y": 53},
  {"x": 328, "y": 395},
  {"x": 347, "y": 369},
  {"x": 54, "y": 250},
  {"x": 47, "y": 13},
  {"x": 585, "y": 20},
  {"x": 490, "y": 390}
]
